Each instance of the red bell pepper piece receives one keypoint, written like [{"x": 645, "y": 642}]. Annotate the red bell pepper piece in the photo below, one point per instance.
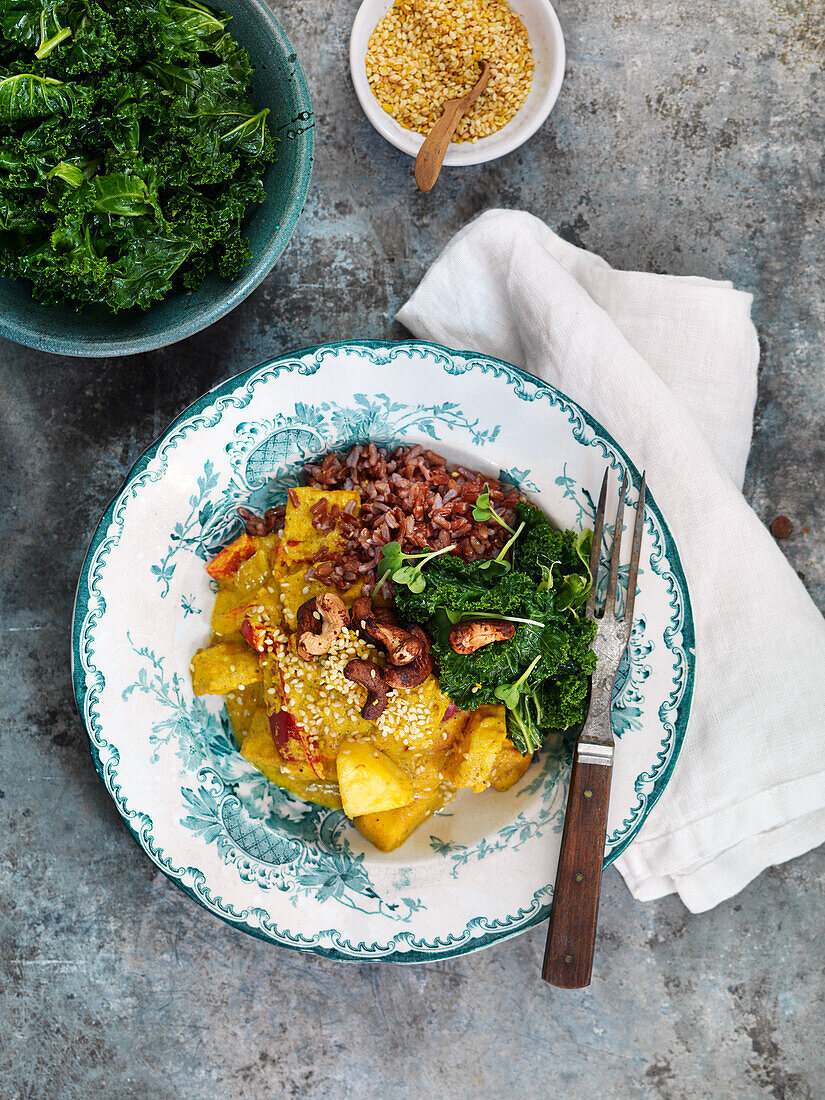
[
  {"x": 285, "y": 731},
  {"x": 260, "y": 637},
  {"x": 231, "y": 558}
]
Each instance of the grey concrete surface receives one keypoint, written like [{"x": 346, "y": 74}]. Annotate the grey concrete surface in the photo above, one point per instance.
[{"x": 688, "y": 138}]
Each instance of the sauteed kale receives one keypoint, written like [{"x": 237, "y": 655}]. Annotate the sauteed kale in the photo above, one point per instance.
[
  {"x": 541, "y": 673},
  {"x": 129, "y": 149}
]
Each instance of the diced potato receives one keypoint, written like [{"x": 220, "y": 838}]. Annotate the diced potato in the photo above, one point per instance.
[
  {"x": 271, "y": 690},
  {"x": 473, "y": 757},
  {"x": 224, "y": 667},
  {"x": 231, "y": 608},
  {"x": 426, "y": 705},
  {"x": 455, "y": 723},
  {"x": 243, "y": 565},
  {"x": 369, "y": 781},
  {"x": 509, "y": 766},
  {"x": 295, "y": 589},
  {"x": 269, "y": 598},
  {"x": 253, "y": 573},
  {"x": 389, "y": 829},
  {"x": 301, "y": 541},
  {"x": 259, "y": 749},
  {"x": 450, "y": 729},
  {"x": 297, "y": 773},
  {"x": 228, "y": 612},
  {"x": 241, "y": 706}
]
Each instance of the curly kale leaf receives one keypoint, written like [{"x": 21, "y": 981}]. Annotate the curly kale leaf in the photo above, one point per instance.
[
  {"x": 541, "y": 674},
  {"x": 26, "y": 96},
  {"x": 556, "y": 688},
  {"x": 565, "y": 553},
  {"x": 72, "y": 35},
  {"x": 130, "y": 152},
  {"x": 461, "y": 587},
  {"x": 39, "y": 26}
]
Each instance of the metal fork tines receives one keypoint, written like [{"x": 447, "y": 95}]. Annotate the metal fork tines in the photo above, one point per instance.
[{"x": 613, "y": 633}]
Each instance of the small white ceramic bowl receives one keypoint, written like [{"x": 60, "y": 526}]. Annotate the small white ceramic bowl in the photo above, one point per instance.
[{"x": 547, "y": 41}]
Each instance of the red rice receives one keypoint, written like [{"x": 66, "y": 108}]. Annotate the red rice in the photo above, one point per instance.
[{"x": 411, "y": 496}]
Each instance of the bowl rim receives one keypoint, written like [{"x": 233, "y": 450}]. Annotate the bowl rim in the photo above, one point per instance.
[
  {"x": 81, "y": 688},
  {"x": 465, "y": 153},
  {"x": 29, "y": 335}
]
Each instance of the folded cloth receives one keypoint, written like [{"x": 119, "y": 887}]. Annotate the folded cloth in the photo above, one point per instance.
[{"x": 668, "y": 366}]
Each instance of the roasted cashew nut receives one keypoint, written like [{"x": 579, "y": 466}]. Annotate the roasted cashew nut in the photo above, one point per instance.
[
  {"x": 415, "y": 673},
  {"x": 467, "y": 637},
  {"x": 368, "y": 675},
  {"x": 380, "y": 626},
  {"x": 320, "y": 621}
]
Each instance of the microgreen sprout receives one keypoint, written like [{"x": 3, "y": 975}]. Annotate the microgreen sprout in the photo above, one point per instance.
[
  {"x": 497, "y": 566},
  {"x": 393, "y": 566},
  {"x": 501, "y": 554},
  {"x": 509, "y": 693},
  {"x": 483, "y": 510},
  {"x": 504, "y": 618}
]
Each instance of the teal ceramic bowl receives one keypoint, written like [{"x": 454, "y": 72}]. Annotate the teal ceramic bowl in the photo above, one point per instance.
[{"x": 278, "y": 83}]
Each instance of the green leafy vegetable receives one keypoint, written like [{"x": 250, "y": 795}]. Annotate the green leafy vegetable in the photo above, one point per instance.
[
  {"x": 27, "y": 95},
  {"x": 541, "y": 673},
  {"x": 68, "y": 172},
  {"x": 124, "y": 195},
  {"x": 195, "y": 25},
  {"x": 40, "y": 26},
  {"x": 495, "y": 567},
  {"x": 249, "y": 135},
  {"x": 129, "y": 149},
  {"x": 483, "y": 511}
]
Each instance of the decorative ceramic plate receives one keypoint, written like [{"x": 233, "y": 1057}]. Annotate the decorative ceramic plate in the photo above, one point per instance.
[{"x": 285, "y": 870}]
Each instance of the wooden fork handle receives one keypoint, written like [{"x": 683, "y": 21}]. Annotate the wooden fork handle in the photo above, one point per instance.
[{"x": 571, "y": 937}]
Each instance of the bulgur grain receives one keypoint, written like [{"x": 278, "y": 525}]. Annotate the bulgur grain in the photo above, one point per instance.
[{"x": 423, "y": 52}]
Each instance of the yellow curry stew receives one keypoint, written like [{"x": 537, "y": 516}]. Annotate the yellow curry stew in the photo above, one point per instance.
[{"x": 299, "y": 721}]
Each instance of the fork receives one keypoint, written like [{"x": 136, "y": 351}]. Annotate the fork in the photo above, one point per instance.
[{"x": 571, "y": 936}]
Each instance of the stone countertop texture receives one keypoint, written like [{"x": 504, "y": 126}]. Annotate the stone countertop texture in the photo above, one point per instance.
[{"x": 688, "y": 138}]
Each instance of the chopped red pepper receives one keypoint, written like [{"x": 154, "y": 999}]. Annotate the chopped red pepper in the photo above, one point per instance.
[
  {"x": 258, "y": 636},
  {"x": 285, "y": 732},
  {"x": 231, "y": 558}
]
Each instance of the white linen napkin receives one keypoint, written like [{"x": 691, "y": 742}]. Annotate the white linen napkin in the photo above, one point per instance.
[{"x": 668, "y": 366}]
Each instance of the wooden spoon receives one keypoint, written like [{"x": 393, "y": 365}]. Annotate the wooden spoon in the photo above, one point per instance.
[{"x": 432, "y": 152}]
